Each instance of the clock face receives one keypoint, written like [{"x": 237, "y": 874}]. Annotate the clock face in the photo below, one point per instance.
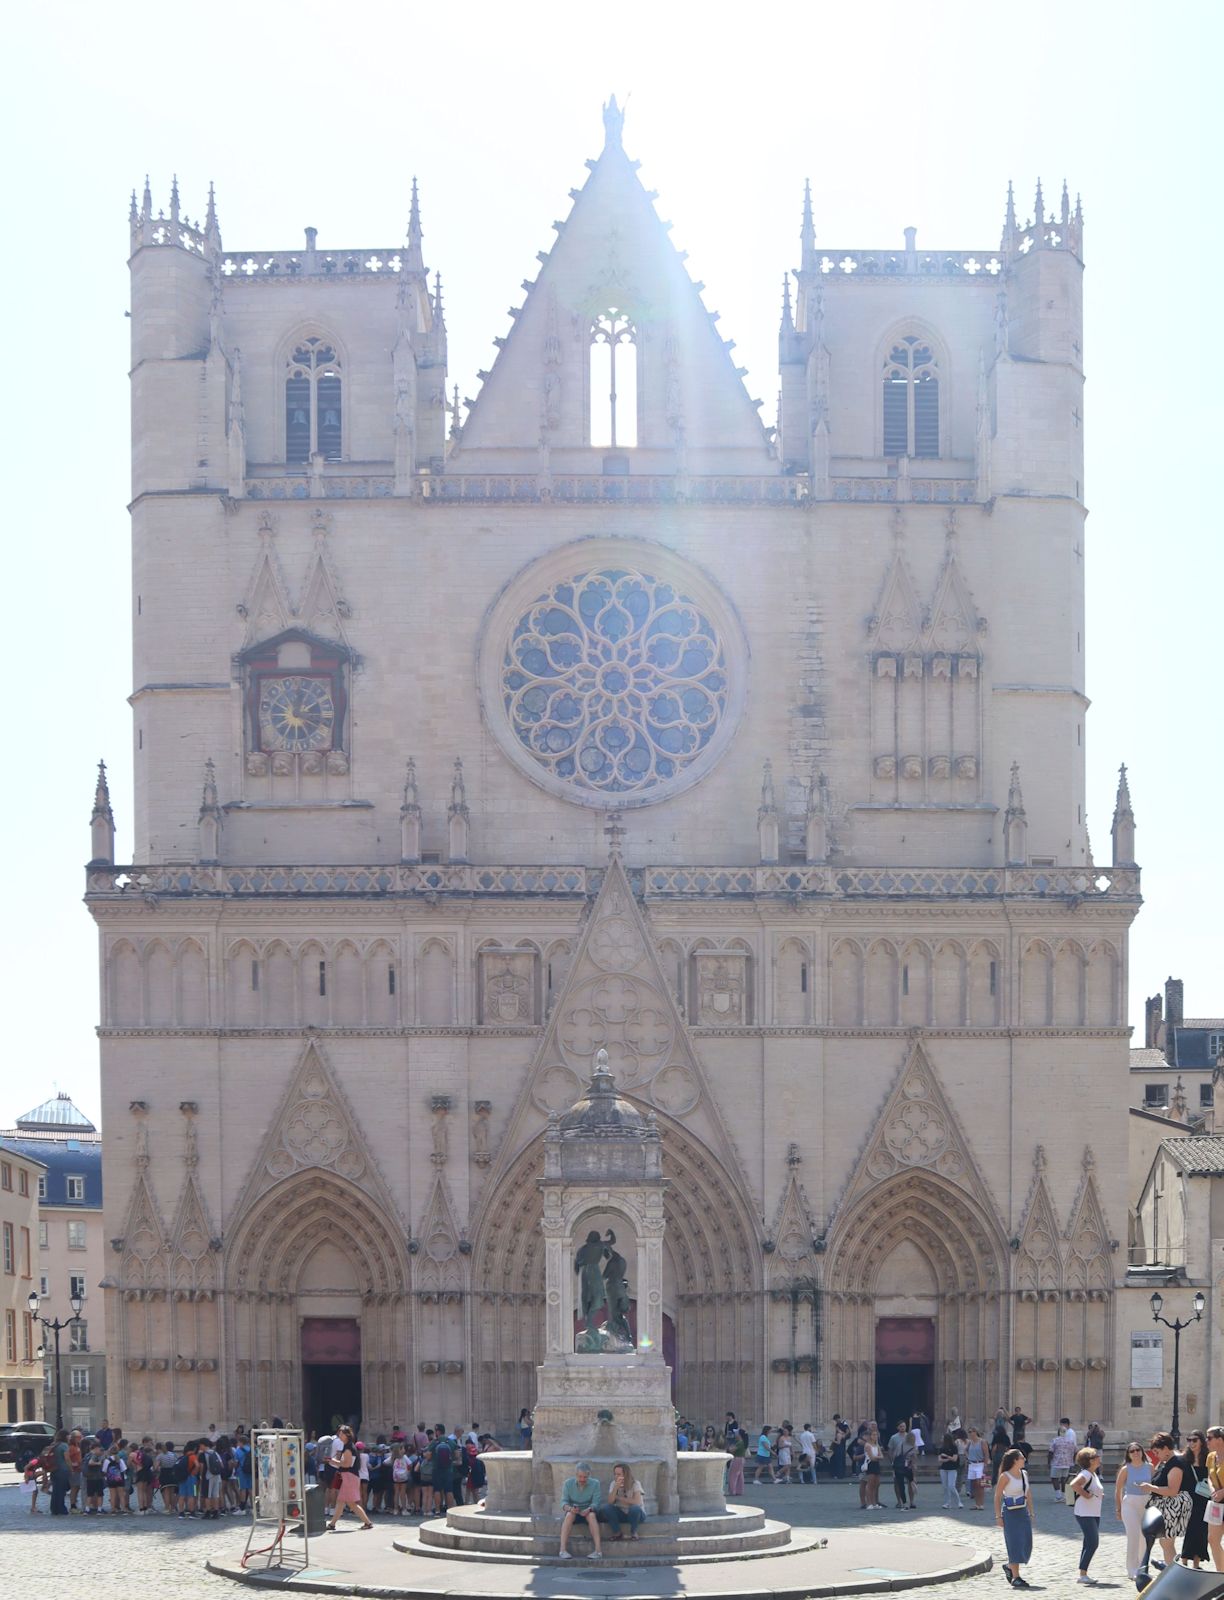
[{"x": 296, "y": 713}]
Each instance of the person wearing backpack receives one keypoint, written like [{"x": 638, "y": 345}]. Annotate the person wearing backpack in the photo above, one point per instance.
[
  {"x": 185, "y": 1479},
  {"x": 210, "y": 1481},
  {"x": 167, "y": 1477}
]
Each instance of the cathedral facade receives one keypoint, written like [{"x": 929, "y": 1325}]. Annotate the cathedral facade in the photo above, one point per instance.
[{"x": 593, "y": 713}]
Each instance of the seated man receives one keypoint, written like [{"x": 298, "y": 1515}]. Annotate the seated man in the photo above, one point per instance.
[
  {"x": 580, "y": 1498},
  {"x": 624, "y": 1502}
]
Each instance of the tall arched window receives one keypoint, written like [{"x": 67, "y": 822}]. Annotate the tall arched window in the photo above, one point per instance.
[
  {"x": 312, "y": 403},
  {"x": 911, "y": 399},
  {"x": 613, "y": 375}
]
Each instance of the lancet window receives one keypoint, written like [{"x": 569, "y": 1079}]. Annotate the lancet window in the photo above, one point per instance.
[
  {"x": 911, "y": 399},
  {"x": 614, "y": 381},
  {"x": 312, "y": 403}
]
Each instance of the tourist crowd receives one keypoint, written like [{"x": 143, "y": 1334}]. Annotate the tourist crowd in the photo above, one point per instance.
[{"x": 398, "y": 1474}]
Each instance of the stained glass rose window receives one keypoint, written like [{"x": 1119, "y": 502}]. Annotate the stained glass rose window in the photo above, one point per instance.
[{"x": 615, "y": 683}]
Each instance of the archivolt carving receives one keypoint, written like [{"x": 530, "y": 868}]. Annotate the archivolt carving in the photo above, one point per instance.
[{"x": 269, "y": 1246}]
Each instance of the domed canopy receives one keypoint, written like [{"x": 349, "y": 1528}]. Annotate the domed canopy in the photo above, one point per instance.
[{"x": 602, "y": 1114}]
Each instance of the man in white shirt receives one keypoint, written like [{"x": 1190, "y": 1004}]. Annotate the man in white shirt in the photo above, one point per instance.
[{"x": 807, "y": 1454}]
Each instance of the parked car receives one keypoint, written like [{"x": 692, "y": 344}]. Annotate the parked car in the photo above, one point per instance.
[{"x": 17, "y": 1439}]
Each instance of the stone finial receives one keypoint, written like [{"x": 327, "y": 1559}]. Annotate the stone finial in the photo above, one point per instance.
[
  {"x": 614, "y": 124},
  {"x": 767, "y": 819},
  {"x": 102, "y": 823},
  {"x": 816, "y": 822},
  {"x": 1123, "y": 828},
  {"x": 210, "y": 817},
  {"x": 1015, "y": 823},
  {"x": 807, "y": 229},
  {"x": 458, "y": 816},
  {"x": 414, "y": 260}
]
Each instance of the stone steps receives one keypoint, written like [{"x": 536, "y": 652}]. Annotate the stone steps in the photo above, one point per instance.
[
  {"x": 469, "y": 1519},
  {"x": 510, "y": 1539}
]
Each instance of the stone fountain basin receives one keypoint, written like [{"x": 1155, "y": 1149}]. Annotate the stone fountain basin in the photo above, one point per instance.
[{"x": 519, "y": 1484}]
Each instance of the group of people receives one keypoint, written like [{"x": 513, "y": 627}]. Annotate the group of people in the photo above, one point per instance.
[
  {"x": 400, "y": 1474},
  {"x": 1187, "y": 1486},
  {"x": 106, "y": 1474}
]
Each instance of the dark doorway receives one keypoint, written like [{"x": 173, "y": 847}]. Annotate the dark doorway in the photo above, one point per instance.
[
  {"x": 905, "y": 1368},
  {"x": 329, "y": 1391},
  {"x": 331, "y": 1372}
]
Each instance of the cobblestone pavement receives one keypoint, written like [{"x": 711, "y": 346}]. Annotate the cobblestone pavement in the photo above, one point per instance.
[{"x": 160, "y": 1554}]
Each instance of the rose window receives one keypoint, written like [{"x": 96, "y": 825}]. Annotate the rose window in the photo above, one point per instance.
[{"x": 615, "y": 682}]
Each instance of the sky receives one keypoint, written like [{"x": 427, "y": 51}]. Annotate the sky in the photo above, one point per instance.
[{"x": 307, "y": 114}]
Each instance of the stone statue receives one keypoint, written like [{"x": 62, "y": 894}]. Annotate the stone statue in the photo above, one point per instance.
[
  {"x": 616, "y": 1289},
  {"x": 593, "y": 1292}
]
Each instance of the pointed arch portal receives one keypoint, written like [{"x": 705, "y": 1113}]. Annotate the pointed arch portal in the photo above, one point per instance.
[{"x": 917, "y": 1279}]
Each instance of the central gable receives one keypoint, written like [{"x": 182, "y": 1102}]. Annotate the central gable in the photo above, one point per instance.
[{"x": 613, "y": 259}]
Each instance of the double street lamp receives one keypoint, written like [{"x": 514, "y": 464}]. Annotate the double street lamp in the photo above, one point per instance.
[
  {"x": 1177, "y": 1325},
  {"x": 56, "y": 1327}
]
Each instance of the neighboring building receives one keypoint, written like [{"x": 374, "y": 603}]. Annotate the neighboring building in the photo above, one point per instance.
[
  {"x": 606, "y": 716},
  {"x": 71, "y": 1251},
  {"x": 1178, "y": 1240},
  {"x": 20, "y": 1378},
  {"x": 1172, "y": 1072}
]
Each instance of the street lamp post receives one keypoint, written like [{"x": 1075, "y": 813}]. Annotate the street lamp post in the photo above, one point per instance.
[
  {"x": 1177, "y": 1325},
  {"x": 56, "y": 1327}
]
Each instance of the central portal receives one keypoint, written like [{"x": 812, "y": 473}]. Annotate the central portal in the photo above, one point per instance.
[
  {"x": 331, "y": 1373},
  {"x": 904, "y": 1369}
]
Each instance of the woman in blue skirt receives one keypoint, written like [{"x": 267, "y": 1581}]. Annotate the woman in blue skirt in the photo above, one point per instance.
[{"x": 1014, "y": 1514}]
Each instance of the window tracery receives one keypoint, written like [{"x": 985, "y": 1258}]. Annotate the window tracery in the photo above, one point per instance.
[
  {"x": 312, "y": 403},
  {"x": 911, "y": 399},
  {"x": 614, "y": 682},
  {"x": 613, "y": 380}
]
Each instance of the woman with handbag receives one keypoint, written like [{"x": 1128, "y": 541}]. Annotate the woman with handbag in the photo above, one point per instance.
[
  {"x": 1215, "y": 1506},
  {"x": 1166, "y": 1490},
  {"x": 1194, "y": 1543},
  {"x": 1089, "y": 1501},
  {"x": 347, "y": 1462},
  {"x": 1014, "y": 1514}
]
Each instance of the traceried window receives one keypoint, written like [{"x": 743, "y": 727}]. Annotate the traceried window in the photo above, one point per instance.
[
  {"x": 614, "y": 381},
  {"x": 312, "y": 403},
  {"x": 911, "y": 400}
]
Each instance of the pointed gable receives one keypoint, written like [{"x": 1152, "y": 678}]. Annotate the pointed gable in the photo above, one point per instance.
[
  {"x": 266, "y": 606},
  {"x": 616, "y": 997},
  {"x": 792, "y": 1233},
  {"x": 314, "y": 1128},
  {"x": 1039, "y": 1258},
  {"x": 322, "y": 609},
  {"x": 613, "y": 252},
  {"x": 898, "y": 619},
  {"x": 954, "y": 624},
  {"x": 144, "y": 1233},
  {"x": 917, "y": 1128}
]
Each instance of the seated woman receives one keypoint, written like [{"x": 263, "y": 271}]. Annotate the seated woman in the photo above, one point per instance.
[
  {"x": 580, "y": 1498},
  {"x": 624, "y": 1502}
]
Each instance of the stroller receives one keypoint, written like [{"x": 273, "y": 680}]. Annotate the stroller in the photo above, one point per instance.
[{"x": 1175, "y": 1582}]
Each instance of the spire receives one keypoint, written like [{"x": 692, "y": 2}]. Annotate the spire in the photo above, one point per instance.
[
  {"x": 210, "y": 817},
  {"x": 1123, "y": 829},
  {"x": 1009, "y": 219},
  {"x": 212, "y": 228},
  {"x": 410, "y": 816},
  {"x": 414, "y": 261},
  {"x": 767, "y": 818},
  {"x": 439, "y": 318},
  {"x": 1079, "y": 213},
  {"x": 1039, "y": 206},
  {"x": 174, "y": 199},
  {"x": 458, "y": 816},
  {"x": 788, "y": 321},
  {"x": 1066, "y": 205},
  {"x": 133, "y": 214},
  {"x": 1015, "y": 823},
  {"x": 102, "y": 823},
  {"x": 456, "y": 426},
  {"x": 614, "y": 124},
  {"x": 816, "y": 835},
  {"x": 807, "y": 230},
  {"x": 147, "y": 201}
]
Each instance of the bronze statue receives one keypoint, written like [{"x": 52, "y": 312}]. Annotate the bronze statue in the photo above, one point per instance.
[
  {"x": 594, "y": 1294},
  {"x": 616, "y": 1289}
]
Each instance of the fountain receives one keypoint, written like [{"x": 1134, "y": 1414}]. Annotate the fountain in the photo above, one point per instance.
[{"x": 603, "y": 1394}]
